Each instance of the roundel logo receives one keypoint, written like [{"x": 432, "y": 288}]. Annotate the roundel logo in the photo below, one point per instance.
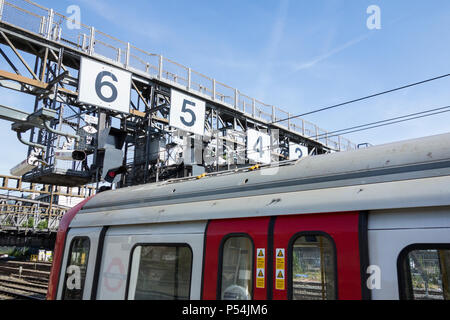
[{"x": 115, "y": 275}]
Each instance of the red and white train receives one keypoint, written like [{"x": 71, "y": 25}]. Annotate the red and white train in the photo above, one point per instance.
[{"x": 366, "y": 224}]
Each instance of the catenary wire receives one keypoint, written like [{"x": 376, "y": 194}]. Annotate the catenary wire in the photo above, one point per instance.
[{"x": 363, "y": 98}]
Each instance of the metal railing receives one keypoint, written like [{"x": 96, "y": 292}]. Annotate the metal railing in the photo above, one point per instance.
[
  {"x": 53, "y": 26},
  {"x": 29, "y": 217}
]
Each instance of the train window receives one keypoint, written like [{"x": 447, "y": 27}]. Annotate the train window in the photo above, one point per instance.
[
  {"x": 160, "y": 272},
  {"x": 237, "y": 266},
  {"x": 424, "y": 273},
  {"x": 313, "y": 268},
  {"x": 76, "y": 269}
]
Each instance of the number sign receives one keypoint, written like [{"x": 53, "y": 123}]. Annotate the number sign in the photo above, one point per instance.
[
  {"x": 297, "y": 151},
  {"x": 258, "y": 146},
  {"x": 104, "y": 86},
  {"x": 187, "y": 113}
]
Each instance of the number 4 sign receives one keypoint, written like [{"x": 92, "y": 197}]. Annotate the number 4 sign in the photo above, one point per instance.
[
  {"x": 187, "y": 113},
  {"x": 104, "y": 86},
  {"x": 258, "y": 146}
]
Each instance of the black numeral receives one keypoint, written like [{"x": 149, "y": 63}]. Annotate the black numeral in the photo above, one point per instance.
[
  {"x": 100, "y": 83},
  {"x": 185, "y": 109}
]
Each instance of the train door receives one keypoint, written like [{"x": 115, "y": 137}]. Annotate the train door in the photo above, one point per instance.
[
  {"x": 236, "y": 259},
  {"x": 316, "y": 257},
  {"x": 410, "y": 251},
  {"x": 78, "y": 265},
  {"x": 152, "y": 262}
]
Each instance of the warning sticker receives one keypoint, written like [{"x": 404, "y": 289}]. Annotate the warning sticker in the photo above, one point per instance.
[
  {"x": 279, "y": 280},
  {"x": 261, "y": 253},
  {"x": 260, "y": 276},
  {"x": 261, "y": 258},
  {"x": 260, "y": 268},
  {"x": 260, "y": 273},
  {"x": 280, "y": 259}
]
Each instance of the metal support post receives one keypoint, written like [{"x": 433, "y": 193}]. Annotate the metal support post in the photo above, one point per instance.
[
  {"x": 160, "y": 67},
  {"x": 92, "y": 42},
  {"x": 189, "y": 79},
  {"x": 51, "y": 14},
  {"x": 253, "y": 107},
  {"x": 2, "y": 4},
  {"x": 127, "y": 57}
]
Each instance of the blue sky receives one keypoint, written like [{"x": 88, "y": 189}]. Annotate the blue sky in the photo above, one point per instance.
[{"x": 296, "y": 54}]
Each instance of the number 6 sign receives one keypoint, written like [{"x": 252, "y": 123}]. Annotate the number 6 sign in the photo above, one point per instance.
[
  {"x": 187, "y": 113},
  {"x": 104, "y": 86}
]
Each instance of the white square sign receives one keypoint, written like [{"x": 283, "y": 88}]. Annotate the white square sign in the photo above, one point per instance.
[
  {"x": 258, "y": 146},
  {"x": 187, "y": 113},
  {"x": 297, "y": 151},
  {"x": 104, "y": 86}
]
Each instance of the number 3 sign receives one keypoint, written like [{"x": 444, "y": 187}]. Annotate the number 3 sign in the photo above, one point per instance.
[
  {"x": 104, "y": 86},
  {"x": 187, "y": 113}
]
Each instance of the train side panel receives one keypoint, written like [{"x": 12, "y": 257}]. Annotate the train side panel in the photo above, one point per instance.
[
  {"x": 158, "y": 261},
  {"x": 321, "y": 257},
  {"x": 232, "y": 267},
  {"x": 285, "y": 257},
  {"x": 409, "y": 253}
]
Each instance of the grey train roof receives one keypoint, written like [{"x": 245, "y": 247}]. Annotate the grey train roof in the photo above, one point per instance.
[{"x": 323, "y": 183}]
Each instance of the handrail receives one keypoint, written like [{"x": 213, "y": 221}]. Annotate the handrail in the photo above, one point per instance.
[{"x": 180, "y": 79}]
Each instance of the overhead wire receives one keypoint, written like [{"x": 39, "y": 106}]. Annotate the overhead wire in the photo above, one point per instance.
[
  {"x": 376, "y": 124},
  {"x": 362, "y": 98}
]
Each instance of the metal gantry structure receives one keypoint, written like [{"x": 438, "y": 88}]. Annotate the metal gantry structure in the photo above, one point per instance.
[
  {"x": 30, "y": 208},
  {"x": 45, "y": 51}
]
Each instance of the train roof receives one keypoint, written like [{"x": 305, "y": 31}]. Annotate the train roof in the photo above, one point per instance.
[{"x": 396, "y": 175}]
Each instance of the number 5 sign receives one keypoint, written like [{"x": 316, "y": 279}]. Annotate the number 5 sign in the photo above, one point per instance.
[
  {"x": 104, "y": 86},
  {"x": 187, "y": 113}
]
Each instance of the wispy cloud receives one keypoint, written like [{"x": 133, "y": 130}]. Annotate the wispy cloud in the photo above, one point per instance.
[
  {"x": 329, "y": 54},
  {"x": 271, "y": 49}
]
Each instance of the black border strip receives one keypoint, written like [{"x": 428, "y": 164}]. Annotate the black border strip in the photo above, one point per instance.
[
  {"x": 98, "y": 262},
  {"x": 363, "y": 237},
  {"x": 158, "y": 244},
  {"x": 270, "y": 245},
  {"x": 289, "y": 258},
  {"x": 220, "y": 262},
  {"x": 404, "y": 276}
]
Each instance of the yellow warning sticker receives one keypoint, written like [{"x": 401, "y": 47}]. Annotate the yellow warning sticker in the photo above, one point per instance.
[
  {"x": 261, "y": 253},
  {"x": 261, "y": 258},
  {"x": 260, "y": 277},
  {"x": 260, "y": 283},
  {"x": 280, "y": 259},
  {"x": 279, "y": 280},
  {"x": 280, "y": 253}
]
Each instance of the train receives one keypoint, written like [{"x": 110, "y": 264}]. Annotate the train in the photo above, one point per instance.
[{"x": 366, "y": 224}]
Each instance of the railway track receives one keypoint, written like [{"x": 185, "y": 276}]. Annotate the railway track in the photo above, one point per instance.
[
  {"x": 23, "y": 280},
  {"x": 11, "y": 291}
]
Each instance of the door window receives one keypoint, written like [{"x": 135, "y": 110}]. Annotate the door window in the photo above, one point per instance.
[
  {"x": 313, "y": 268},
  {"x": 75, "y": 275},
  {"x": 237, "y": 266},
  {"x": 425, "y": 273},
  {"x": 160, "y": 272}
]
